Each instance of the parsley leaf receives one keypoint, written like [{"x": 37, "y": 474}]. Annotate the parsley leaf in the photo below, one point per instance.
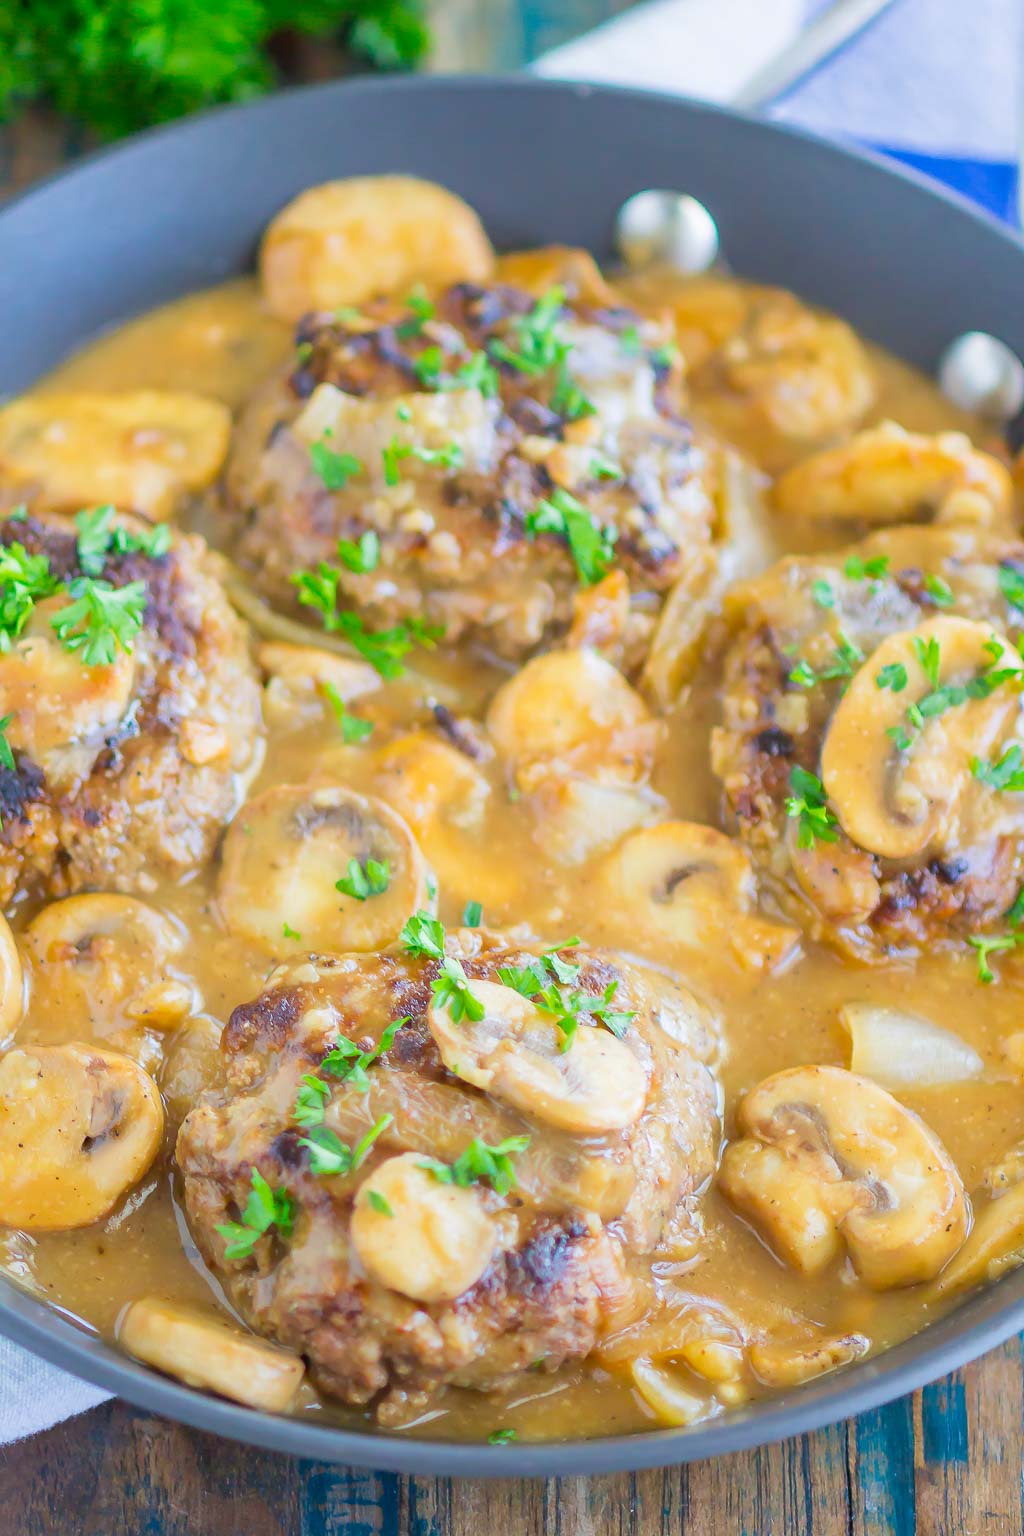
[
  {"x": 363, "y": 881},
  {"x": 310, "y": 1101},
  {"x": 288, "y": 932},
  {"x": 823, "y": 594},
  {"x": 856, "y": 568},
  {"x": 591, "y": 545},
  {"x": 1006, "y": 774},
  {"x": 987, "y": 944},
  {"x": 6, "y": 755},
  {"x": 470, "y": 917},
  {"x": 329, "y": 1155},
  {"x": 266, "y": 1208},
  {"x": 815, "y": 822},
  {"x": 362, "y": 556},
  {"x": 567, "y": 398},
  {"x": 448, "y": 457},
  {"x": 353, "y": 728},
  {"x": 893, "y": 676},
  {"x": 939, "y": 590},
  {"x": 382, "y": 648},
  {"x": 501, "y": 1436},
  {"x": 481, "y": 1163},
  {"x": 423, "y": 935},
  {"x": 536, "y": 347},
  {"x": 334, "y": 469},
  {"x": 420, "y": 311},
  {"x": 451, "y": 990},
  {"x": 377, "y": 1202},
  {"x": 100, "y": 619},
  {"x": 1011, "y": 585},
  {"x": 24, "y": 580}
]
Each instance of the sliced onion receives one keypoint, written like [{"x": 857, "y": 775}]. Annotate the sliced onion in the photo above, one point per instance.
[
  {"x": 662, "y": 1391},
  {"x": 902, "y": 1050}
]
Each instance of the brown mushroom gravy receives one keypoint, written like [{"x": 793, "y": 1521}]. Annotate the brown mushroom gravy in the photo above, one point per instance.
[{"x": 614, "y": 748}]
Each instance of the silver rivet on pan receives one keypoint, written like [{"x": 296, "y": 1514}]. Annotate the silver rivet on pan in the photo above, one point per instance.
[
  {"x": 668, "y": 228},
  {"x": 980, "y": 373}
]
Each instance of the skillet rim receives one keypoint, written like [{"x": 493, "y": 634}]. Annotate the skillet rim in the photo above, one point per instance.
[{"x": 983, "y": 1320}]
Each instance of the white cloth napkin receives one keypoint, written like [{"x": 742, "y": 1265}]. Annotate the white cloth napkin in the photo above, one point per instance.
[{"x": 937, "y": 78}]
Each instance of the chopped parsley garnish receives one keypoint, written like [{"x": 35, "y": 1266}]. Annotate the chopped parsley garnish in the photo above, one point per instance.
[
  {"x": 423, "y": 935},
  {"x": 603, "y": 468},
  {"x": 501, "y": 1436},
  {"x": 365, "y": 880},
  {"x": 856, "y": 569},
  {"x": 362, "y": 555},
  {"x": 808, "y": 803},
  {"x": 537, "y": 347},
  {"x": 288, "y": 932},
  {"x": 97, "y": 539},
  {"x": 376, "y": 1201},
  {"x": 448, "y": 457},
  {"x": 927, "y": 652},
  {"x": 1011, "y": 585},
  {"x": 310, "y": 1101},
  {"x": 592, "y": 546},
  {"x": 481, "y": 1163},
  {"x": 347, "y": 1062},
  {"x": 451, "y": 990},
  {"x": 567, "y": 398},
  {"x": 846, "y": 658},
  {"x": 420, "y": 311},
  {"x": 333, "y": 468},
  {"x": 939, "y": 590},
  {"x": 329, "y": 1155},
  {"x": 987, "y": 944},
  {"x": 470, "y": 917},
  {"x": 265, "y": 1208},
  {"x": 478, "y": 373},
  {"x": 100, "y": 619},
  {"x": 893, "y": 676},
  {"x": 24, "y": 580},
  {"x": 543, "y": 980},
  {"x": 629, "y": 341},
  {"x": 1014, "y": 914},
  {"x": 951, "y": 695},
  {"x": 353, "y": 728},
  {"x": 382, "y": 648},
  {"x": 6, "y": 755},
  {"x": 1006, "y": 774},
  {"x": 822, "y": 593},
  {"x": 663, "y": 356}
]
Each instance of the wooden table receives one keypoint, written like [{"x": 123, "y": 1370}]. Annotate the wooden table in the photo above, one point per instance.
[{"x": 947, "y": 1462}]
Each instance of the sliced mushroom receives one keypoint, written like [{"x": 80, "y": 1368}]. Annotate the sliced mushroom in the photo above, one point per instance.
[
  {"x": 571, "y": 712},
  {"x": 444, "y": 797},
  {"x": 345, "y": 241},
  {"x": 12, "y": 980},
  {"x": 995, "y": 1245},
  {"x": 100, "y": 964},
  {"x": 428, "y": 1240},
  {"x": 691, "y": 886},
  {"x": 143, "y": 450},
  {"x": 886, "y": 475},
  {"x": 204, "y": 1352},
  {"x": 789, "y": 1363},
  {"x": 765, "y": 369},
  {"x": 301, "y": 677},
  {"x": 285, "y": 852},
  {"x": 882, "y": 1178},
  {"x": 514, "y": 1053},
  {"x": 61, "y": 711},
  {"x": 78, "y": 1127},
  {"x": 899, "y": 804}
]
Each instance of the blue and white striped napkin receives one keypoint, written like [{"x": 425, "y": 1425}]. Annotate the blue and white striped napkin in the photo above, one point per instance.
[
  {"x": 938, "y": 84},
  {"x": 934, "y": 82}
]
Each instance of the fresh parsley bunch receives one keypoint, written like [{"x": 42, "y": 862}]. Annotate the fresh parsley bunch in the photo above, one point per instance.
[{"x": 120, "y": 64}]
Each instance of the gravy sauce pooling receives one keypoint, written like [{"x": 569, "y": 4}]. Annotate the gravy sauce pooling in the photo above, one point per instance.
[{"x": 668, "y": 847}]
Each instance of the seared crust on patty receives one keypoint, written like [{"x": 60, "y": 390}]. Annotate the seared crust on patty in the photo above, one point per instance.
[
  {"x": 454, "y": 538},
  {"x": 806, "y": 634},
  {"x": 123, "y": 773},
  {"x": 564, "y": 1233}
]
